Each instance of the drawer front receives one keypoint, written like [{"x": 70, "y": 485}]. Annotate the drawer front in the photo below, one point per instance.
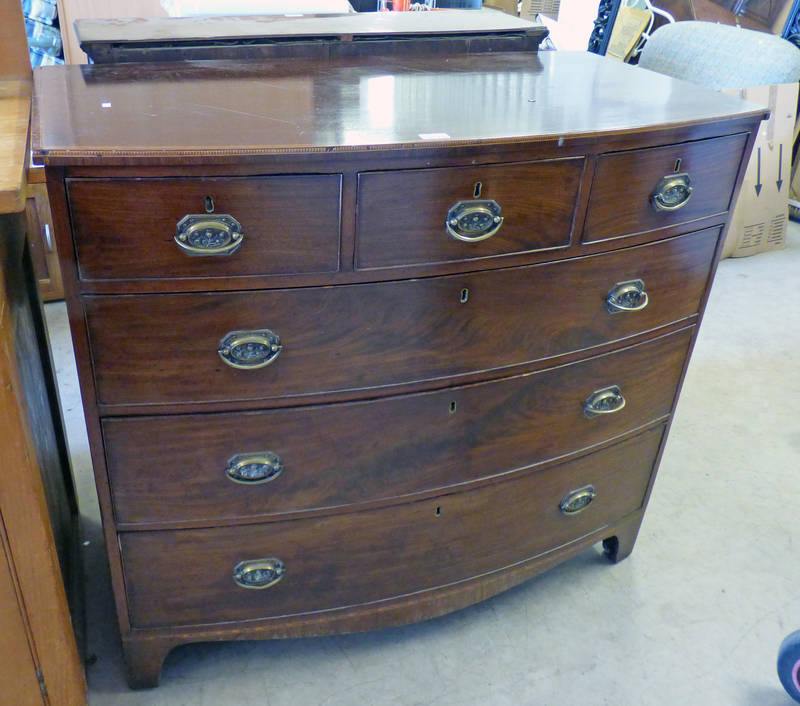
[
  {"x": 174, "y": 469},
  {"x": 126, "y": 228},
  {"x": 185, "y": 577},
  {"x": 402, "y": 215},
  {"x": 621, "y": 200},
  {"x": 164, "y": 348}
]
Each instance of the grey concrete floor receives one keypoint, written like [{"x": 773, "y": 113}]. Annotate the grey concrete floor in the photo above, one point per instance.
[{"x": 694, "y": 616}]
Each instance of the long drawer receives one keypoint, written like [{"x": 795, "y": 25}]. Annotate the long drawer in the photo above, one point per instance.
[
  {"x": 165, "y": 348},
  {"x": 189, "y": 467},
  {"x": 695, "y": 180},
  {"x": 127, "y": 228},
  {"x": 402, "y": 215},
  {"x": 187, "y": 576}
]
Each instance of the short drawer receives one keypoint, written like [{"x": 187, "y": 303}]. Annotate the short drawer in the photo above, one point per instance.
[
  {"x": 176, "y": 469},
  {"x": 126, "y": 228},
  {"x": 622, "y": 198},
  {"x": 185, "y": 577},
  {"x": 151, "y": 349},
  {"x": 402, "y": 215}
]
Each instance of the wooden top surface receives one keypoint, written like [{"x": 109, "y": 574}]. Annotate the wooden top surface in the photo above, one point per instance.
[
  {"x": 358, "y": 24},
  {"x": 15, "y": 106},
  {"x": 140, "y": 113}
]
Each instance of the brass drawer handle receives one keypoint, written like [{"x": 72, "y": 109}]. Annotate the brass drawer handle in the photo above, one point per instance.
[
  {"x": 206, "y": 234},
  {"x": 248, "y": 350},
  {"x": 627, "y": 296},
  {"x": 577, "y": 500},
  {"x": 471, "y": 221},
  {"x": 672, "y": 192},
  {"x": 605, "y": 401},
  {"x": 258, "y": 573},
  {"x": 254, "y": 468}
]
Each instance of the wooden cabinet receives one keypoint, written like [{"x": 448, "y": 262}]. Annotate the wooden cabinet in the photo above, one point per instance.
[
  {"x": 376, "y": 379},
  {"x": 39, "y": 658},
  {"x": 40, "y": 582}
]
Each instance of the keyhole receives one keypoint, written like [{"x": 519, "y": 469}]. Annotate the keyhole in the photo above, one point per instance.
[
  {"x": 678, "y": 164},
  {"x": 453, "y": 407},
  {"x": 438, "y": 512},
  {"x": 476, "y": 192},
  {"x": 464, "y": 295},
  {"x": 209, "y": 204}
]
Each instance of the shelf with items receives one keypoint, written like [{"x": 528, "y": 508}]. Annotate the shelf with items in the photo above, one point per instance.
[{"x": 43, "y": 32}]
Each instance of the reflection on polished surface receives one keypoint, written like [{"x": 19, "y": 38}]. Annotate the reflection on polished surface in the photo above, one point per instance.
[{"x": 357, "y": 102}]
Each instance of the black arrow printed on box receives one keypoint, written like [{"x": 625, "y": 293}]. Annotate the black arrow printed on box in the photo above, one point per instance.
[{"x": 758, "y": 176}]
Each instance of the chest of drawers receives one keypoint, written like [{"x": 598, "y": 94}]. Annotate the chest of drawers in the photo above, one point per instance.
[{"x": 364, "y": 342}]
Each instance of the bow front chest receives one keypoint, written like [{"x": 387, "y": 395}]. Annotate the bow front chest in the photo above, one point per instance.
[{"x": 365, "y": 341}]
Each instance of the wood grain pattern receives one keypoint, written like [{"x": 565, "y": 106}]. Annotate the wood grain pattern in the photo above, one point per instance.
[
  {"x": 368, "y": 336},
  {"x": 374, "y": 555},
  {"x": 427, "y": 406},
  {"x": 17, "y": 664},
  {"x": 15, "y": 64},
  {"x": 623, "y": 183},
  {"x": 173, "y": 470},
  {"x": 126, "y": 228},
  {"x": 15, "y": 102},
  {"x": 402, "y": 214},
  {"x": 34, "y": 476},
  {"x": 358, "y": 105}
]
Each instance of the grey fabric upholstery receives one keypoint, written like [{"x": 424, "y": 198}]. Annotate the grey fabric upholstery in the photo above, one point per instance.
[{"x": 720, "y": 56}]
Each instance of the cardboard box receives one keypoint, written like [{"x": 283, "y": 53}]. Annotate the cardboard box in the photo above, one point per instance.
[
  {"x": 508, "y": 6},
  {"x": 760, "y": 215},
  {"x": 530, "y": 8}
]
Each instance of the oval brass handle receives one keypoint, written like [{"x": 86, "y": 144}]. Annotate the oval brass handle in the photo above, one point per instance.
[
  {"x": 258, "y": 573},
  {"x": 627, "y": 296},
  {"x": 248, "y": 350},
  {"x": 254, "y": 468},
  {"x": 471, "y": 221},
  {"x": 577, "y": 500},
  {"x": 605, "y": 401},
  {"x": 209, "y": 234},
  {"x": 672, "y": 192}
]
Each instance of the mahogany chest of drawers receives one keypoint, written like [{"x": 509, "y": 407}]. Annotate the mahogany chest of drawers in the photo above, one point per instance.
[{"x": 368, "y": 341}]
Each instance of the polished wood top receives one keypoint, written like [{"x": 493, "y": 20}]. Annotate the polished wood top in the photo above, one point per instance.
[{"x": 140, "y": 113}]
